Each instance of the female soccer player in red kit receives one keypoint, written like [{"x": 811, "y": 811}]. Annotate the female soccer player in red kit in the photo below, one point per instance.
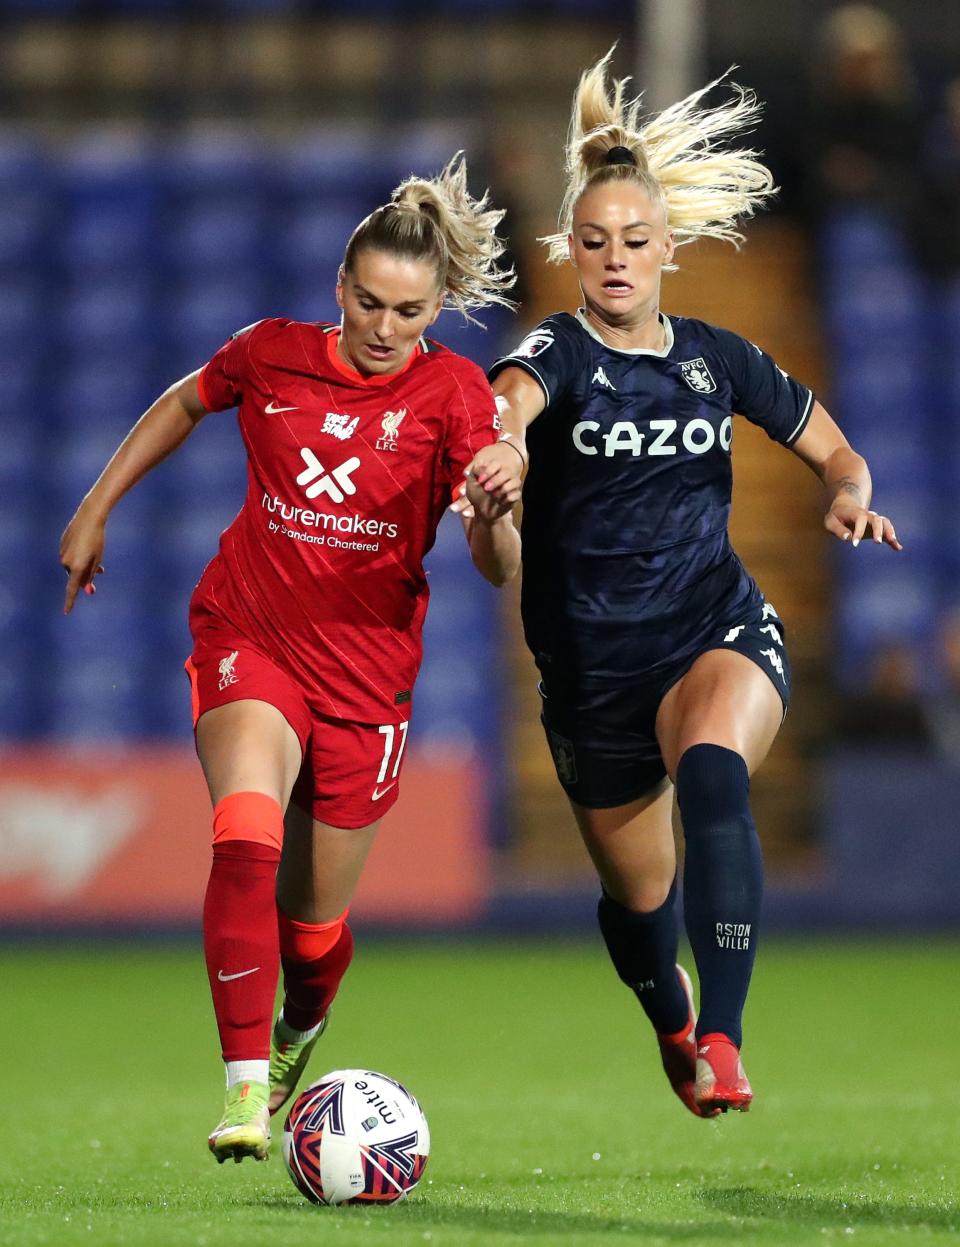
[{"x": 307, "y": 623}]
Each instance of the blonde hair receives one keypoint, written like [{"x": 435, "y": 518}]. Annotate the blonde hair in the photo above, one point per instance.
[
  {"x": 703, "y": 186},
  {"x": 438, "y": 220}
]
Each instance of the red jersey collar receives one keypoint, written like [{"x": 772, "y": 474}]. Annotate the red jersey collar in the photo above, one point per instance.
[{"x": 331, "y": 338}]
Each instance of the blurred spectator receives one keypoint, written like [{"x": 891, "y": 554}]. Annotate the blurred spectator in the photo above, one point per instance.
[
  {"x": 889, "y": 712},
  {"x": 866, "y": 122},
  {"x": 938, "y": 224},
  {"x": 945, "y": 713}
]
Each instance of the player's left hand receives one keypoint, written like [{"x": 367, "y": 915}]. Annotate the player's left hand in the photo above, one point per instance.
[
  {"x": 851, "y": 523},
  {"x": 496, "y": 473}
]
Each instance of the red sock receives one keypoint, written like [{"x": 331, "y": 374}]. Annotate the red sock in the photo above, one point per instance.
[
  {"x": 315, "y": 957},
  {"x": 241, "y": 946}
]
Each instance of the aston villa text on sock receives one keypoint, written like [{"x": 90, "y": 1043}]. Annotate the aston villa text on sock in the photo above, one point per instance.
[{"x": 733, "y": 935}]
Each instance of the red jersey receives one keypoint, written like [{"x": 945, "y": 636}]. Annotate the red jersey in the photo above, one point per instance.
[{"x": 349, "y": 477}]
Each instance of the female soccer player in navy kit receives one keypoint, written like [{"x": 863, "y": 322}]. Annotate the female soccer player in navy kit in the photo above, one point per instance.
[
  {"x": 661, "y": 664},
  {"x": 307, "y": 624}
]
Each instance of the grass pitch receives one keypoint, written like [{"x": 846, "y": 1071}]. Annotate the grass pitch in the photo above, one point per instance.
[{"x": 551, "y": 1120}]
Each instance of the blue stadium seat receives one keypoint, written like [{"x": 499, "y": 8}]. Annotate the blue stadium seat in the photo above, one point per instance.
[
  {"x": 169, "y": 706},
  {"x": 110, "y": 235},
  {"x": 310, "y": 240},
  {"x": 448, "y": 691},
  {"x": 23, "y": 710},
  {"x": 454, "y": 613},
  {"x": 450, "y": 548},
  {"x": 310, "y": 300},
  {"x": 897, "y": 453},
  {"x": 333, "y": 169},
  {"x": 27, "y": 220},
  {"x": 201, "y": 315},
  {"x": 477, "y": 342},
  {"x": 28, "y": 559},
  {"x": 420, "y": 151},
  {"x": 114, "y": 313},
  {"x": 854, "y": 238},
  {"x": 868, "y": 305},
  {"x": 23, "y": 312},
  {"x": 213, "y": 233},
  {"x": 190, "y": 540},
  {"x": 108, "y": 169},
  {"x": 21, "y": 459},
  {"x": 95, "y": 389},
  {"x": 96, "y": 698},
  {"x": 221, "y": 160},
  {"x": 82, "y": 450},
  {"x": 887, "y": 601},
  {"x": 208, "y": 470}
]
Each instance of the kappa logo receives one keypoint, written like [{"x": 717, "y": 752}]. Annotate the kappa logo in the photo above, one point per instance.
[
  {"x": 391, "y": 429},
  {"x": 228, "y": 675},
  {"x": 316, "y": 480},
  {"x": 772, "y": 630},
  {"x": 776, "y": 662},
  {"x": 698, "y": 376},
  {"x": 339, "y": 426},
  {"x": 601, "y": 378},
  {"x": 734, "y": 633},
  {"x": 769, "y": 612}
]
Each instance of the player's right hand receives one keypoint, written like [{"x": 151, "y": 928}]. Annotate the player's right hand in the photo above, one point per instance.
[
  {"x": 81, "y": 552},
  {"x": 498, "y": 469}
]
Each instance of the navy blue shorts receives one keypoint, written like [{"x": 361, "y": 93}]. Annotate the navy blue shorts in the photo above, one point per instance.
[{"x": 602, "y": 737}]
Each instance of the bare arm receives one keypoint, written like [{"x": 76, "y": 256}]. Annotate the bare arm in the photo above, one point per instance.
[
  {"x": 499, "y": 468},
  {"x": 846, "y": 477},
  {"x": 158, "y": 432},
  {"x": 494, "y": 546}
]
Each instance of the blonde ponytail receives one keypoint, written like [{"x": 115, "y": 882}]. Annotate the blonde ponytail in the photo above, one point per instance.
[
  {"x": 438, "y": 220},
  {"x": 678, "y": 157}
]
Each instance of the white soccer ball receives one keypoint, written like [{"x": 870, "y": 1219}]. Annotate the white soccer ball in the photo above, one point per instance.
[{"x": 355, "y": 1137}]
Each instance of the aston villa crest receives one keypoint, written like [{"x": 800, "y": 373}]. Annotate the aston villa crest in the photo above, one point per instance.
[{"x": 698, "y": 376}]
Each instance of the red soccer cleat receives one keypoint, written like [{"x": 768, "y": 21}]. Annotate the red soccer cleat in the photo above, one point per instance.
[
  {"x": 720, "y": 1081},
  {"x": 679, "y": 1055}
]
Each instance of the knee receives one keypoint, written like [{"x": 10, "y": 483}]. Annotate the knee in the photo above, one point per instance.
[
  {"x": 640, "y": 896},
  {"x": 713, "y": 786}
]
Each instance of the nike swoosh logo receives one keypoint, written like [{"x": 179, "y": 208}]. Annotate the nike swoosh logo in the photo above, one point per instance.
[
  {"x": 225, "y": 978},
  {"x": 382, "y": 792},
  {"x": 273, "y": 410}
]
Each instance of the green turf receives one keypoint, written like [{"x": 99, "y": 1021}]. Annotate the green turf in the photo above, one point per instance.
[{"x": 551, "y": 1121}]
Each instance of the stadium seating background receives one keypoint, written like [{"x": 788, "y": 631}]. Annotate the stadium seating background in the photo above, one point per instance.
[{"x": 133, "y": 242}]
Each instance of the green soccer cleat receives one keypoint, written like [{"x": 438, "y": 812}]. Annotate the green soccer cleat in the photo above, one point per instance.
[
  {"x": 287, "y": 1063},
  {"x": 245, "y": 1128}
]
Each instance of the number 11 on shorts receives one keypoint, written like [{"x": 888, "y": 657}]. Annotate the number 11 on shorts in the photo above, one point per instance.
[{"x": 389, "y": 733}]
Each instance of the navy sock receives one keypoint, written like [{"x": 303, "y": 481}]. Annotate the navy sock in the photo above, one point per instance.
[
  {"x": 722, "y": 882},
  {"x": 643, "y": 949}
]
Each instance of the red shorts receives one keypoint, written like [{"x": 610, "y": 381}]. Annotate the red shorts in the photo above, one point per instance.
[{"x": 350, "y": 772}]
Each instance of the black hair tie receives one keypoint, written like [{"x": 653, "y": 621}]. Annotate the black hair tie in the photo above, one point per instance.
[{"x": 620, "y": 156}]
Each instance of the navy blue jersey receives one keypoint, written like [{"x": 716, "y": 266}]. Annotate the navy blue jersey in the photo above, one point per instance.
[{"x": 626, "y": 557}]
